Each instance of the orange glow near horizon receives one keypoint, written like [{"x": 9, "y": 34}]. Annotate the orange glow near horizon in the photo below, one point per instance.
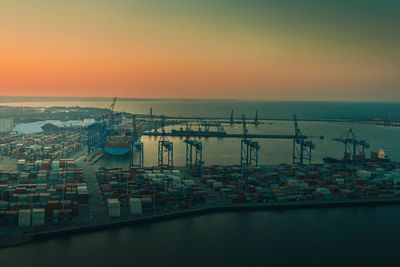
[{"x": 132, "y": 56}]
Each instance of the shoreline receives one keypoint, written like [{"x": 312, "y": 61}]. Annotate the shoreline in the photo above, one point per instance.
[{"x": 30, "y": 238}]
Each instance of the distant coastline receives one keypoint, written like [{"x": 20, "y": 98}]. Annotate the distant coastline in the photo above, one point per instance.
[{"x": 16, "y": 99}]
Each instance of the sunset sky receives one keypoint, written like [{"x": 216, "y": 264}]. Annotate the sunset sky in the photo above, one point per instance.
[{"x": 240, "y": 49}]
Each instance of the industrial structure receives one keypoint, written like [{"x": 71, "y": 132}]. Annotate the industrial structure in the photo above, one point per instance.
[
  {"x": 96, "y": 135},
  {"x": 248, "y": 148},
  {"x": 354, "y": 148},
  {"x": 115, "y": 137},
  {"x": 100, "y": 134},
  {"x": 256, "y": 119},
  {"x": 198, "y": 160},
  {"x": 6, "y": 125},
  {"x": 301, "y": 148},
  {"x": 136, "y": 145},
  {"x": 165, "y": 148}
]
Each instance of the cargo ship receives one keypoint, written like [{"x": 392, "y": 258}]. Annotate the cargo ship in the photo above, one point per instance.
[
  {"x": 379, "y": 156},
  {"x": 118, "y": 143},
  {"x": 188, "y": 131}
]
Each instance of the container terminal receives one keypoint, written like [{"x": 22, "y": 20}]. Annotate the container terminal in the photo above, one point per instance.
[{"x": 58, "y": 182}]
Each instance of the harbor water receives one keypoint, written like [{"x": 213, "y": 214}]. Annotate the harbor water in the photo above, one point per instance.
[
  {"x": 357, "y": 236},
  {"x": 273, "y": 151}
]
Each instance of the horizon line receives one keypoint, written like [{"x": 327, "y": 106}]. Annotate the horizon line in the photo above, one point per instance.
[{"x": 106, "y": 98}]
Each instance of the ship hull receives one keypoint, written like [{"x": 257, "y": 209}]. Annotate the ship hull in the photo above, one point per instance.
[
  {"x": 334, "y": 160},
  {"x": 120, "y": 144},
  {"x": 117, "y": 151}
]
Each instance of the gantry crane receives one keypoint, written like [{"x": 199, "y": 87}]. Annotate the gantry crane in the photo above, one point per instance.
[
  {"x": 137, "y": 144},
  {"x": 301, "y": 148},
  {"x": 231, "y": 121},
  {"x": 256, "y": 119},
  {"x": 249, "y": 148},
  {"x": 165, "y": 147},
  {"x": 352, "y": 145},
  {"x": 97, "y": 132},
  {"x": 198, "y": 146},
  {"x": 110, "y": 117}
]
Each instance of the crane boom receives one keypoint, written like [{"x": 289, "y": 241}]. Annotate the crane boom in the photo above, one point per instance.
[{"x": 111, "y": 107}]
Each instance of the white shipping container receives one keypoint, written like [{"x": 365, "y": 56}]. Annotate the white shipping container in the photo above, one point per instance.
[
  {"x": 38, "y": 164},
  {"x": 135, "y": 205},
  {"x": 217, "y": 184},
  {"x": 292, "y": 182},
  {"x": 83, "y": 189},
  {"x": 38, "y": 217},
  {"x": 24, "y": 217},
  {"x": 340, "y": 180},
  {"x": 188, "y": 182},
  {"x": 113, "y": 208},
  {"x": 364, "y": 174},
  {"x": 55, "y": 165},
  {"x": 323, "y": 191},
  {"x": 6, "y": 125}
]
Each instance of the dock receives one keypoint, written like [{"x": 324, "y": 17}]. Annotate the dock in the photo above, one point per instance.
[{"x": 225, "y": 135}]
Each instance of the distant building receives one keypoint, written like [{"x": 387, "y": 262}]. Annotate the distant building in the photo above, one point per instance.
[
  {"x": 27, "y": 128},
  {"x": 49, "y": 126},
  {"x": 87, "y": 122},
  {"x": 6, "y": 125}
]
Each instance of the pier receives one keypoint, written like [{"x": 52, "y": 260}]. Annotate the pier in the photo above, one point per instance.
[{"x": 225, "y": 135}]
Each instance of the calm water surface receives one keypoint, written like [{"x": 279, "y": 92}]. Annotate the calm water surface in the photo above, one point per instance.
[
  {"x": 223, "y": 108},
  {"x": 362, "y": 236}
]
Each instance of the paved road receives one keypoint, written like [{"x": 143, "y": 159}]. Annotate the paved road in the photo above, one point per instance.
[{"x": 97, "y": 209}]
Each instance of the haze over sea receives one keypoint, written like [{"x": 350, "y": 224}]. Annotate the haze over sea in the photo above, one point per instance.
[
  {"x": 318, "y": 237},
  {"x": 223, "y": 108}
]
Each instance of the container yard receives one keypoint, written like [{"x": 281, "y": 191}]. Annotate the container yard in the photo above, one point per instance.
[
  {"x": 33, "y": 199},
  {"x": 40, "y": 183},
  {"x": 152, "y": 191},
  {"x": 144, "y": 191},
  {"x": 288, "y": 183},
  {"x": 51, "y": 184},
  {"x": 35, "y": 147},
  {"x": 53, "y": 197}
]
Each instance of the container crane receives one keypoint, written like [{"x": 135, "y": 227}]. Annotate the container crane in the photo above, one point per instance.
[
  {"x": 98, "y": 131},
  {"x": 198, "y": 146},
  {"x": 111, "y": 107},
  {"x": 137, "y": 144},
  {"x": 352, "y": 145},
  {"x": 165, "y": 147},
  {"x": 301, "y": 148},
  {"x": 110, "y": 116},
  {"x": 248, "y": 148}
]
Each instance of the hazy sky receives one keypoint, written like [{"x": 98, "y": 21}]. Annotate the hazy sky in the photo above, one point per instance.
[{"x": 243, "y": 49}]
